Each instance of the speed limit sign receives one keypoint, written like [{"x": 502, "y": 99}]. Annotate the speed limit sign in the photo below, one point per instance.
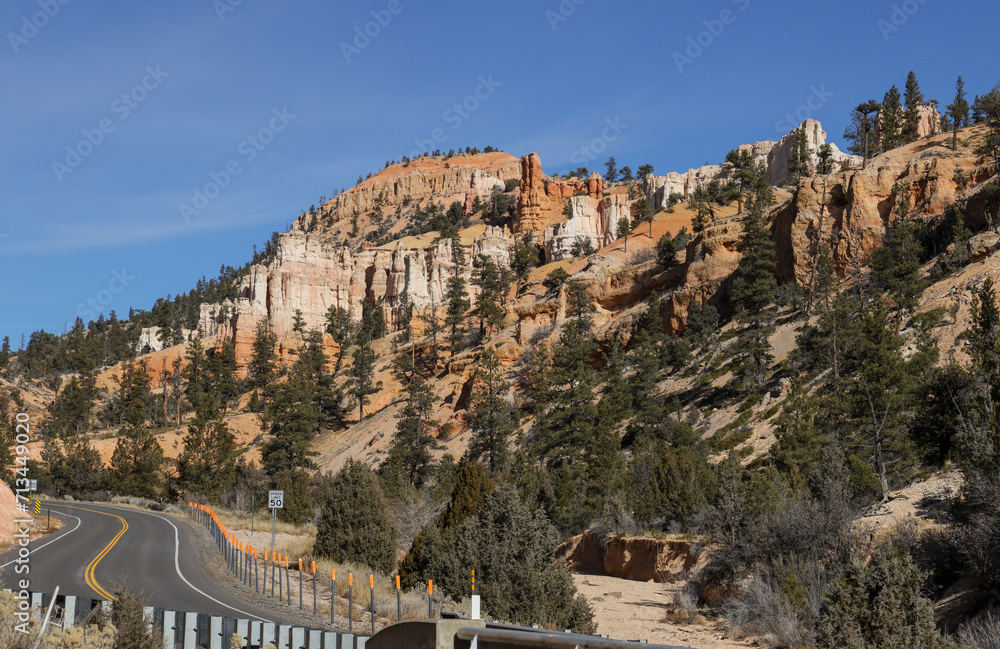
[{"x": 276, "y": 499}]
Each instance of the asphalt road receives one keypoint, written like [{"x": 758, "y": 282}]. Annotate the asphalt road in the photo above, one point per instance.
[{"x": 100, "y": 546}]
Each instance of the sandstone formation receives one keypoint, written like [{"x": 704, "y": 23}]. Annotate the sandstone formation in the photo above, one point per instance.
[
  {"x": 774, "y": 155},
  {"x": 593, "y": 219},
  {"x": 635, "y": 558},
  {"x": 860, "y": 204},
  {"x": 311, "y": 275},
  {"x": 539, "y": 203},
  {"x": 423, "y": 178}
]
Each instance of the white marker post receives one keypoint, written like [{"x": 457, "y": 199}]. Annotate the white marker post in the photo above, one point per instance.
[{"x": 275, "y": 501}]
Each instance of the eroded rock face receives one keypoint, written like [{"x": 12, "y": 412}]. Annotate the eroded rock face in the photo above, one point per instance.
[
  {"x": 311, "y": 276},
  {"x": 635, "y": 558},
  {"x": 773, "y": 155},
  {"x": 539, "y": 203},
  {"x": 424, "y": 178},
  {"x": 532, "y": 203},
  {"x": 592, "y": 219},
  {"x": 860, "y": 204},
  {"x": 778, "y": 156}
]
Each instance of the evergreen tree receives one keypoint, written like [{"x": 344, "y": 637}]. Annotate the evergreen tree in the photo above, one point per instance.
[
  {"x": 70, "y": 412},
  {"x": 197, "y": 389},
  {"x": 825, "y": 153},
  {"x": 489, "y": 279},
  {"x": 798, "y": 161},
  {"x": 988, "y": 106},
  {"x": 860, "y": 129},
  {"x": 753, "y": 295},
  {"x": 890, "y": 121},
  {"x": 263, "y": 366},
  {"x": 354, "y": 523},
  {"x": 895, "y": 266},
  {"x": 622, "y": 230},
  {"x": 77, "y": 472},
  {"x": 338, "y": 325},
  {"x": 626, "y": 174},
  {"x": 878, "y": 605},
  {"x": 913, "y": 99},
  {"x": 958, "y": 111},
  {"x": 611, "y": 170},
  {"x": 207, "y": 465},
  {"x": 414, "y": 439},
  {"x": 512, "y": 550},
  {"x": 457, "y": 298},
  {"x": 362, "y": 370},
  {"x": 878, "y": 393},
  {"x": 666, "y": 251},
  {"x": 135, "y": 463},
  {"x": 494, "y": 419}
]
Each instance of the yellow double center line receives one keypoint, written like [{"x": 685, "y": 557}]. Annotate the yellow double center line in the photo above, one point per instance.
[{"x": 88, "y": 574}]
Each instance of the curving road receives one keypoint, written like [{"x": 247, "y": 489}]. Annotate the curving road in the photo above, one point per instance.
[{"x": 101, "y": 546}]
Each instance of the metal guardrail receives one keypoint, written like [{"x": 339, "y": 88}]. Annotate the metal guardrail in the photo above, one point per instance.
[{"x": 550, "y": 639}]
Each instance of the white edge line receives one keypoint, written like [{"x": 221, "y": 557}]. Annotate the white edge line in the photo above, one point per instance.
[
  {"x": 58, "y": 538},
  {"x": 177, "y": 565}
]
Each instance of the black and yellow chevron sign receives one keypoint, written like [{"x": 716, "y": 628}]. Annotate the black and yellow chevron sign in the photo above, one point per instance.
[{"x": 38, "y": 506}]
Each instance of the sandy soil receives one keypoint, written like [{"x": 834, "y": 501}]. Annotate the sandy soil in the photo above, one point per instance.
[{"x": 637, "y": 610}]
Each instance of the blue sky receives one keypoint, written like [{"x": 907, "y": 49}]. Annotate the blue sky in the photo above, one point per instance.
[{"x": 92, "y": 182}]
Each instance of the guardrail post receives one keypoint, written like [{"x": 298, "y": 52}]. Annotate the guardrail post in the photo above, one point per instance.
[
  {"x": 267, "y": 635},
  {"x": 243, "y": 628},
  {"x": 169, "y": 629},
  {"x": 190, "y": 630},
  {"x": 214, "y": 632},
  {"x": 69, "y": 611}
]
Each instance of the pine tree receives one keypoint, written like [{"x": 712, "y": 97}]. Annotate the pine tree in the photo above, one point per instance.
[
  {"x": 207, "y": 465},
  {"x": 512, "y": 550},
  {"x": 414, "y": 439},
  {"x": 753, "y": 295},
  {"x": 798, "y": 161},
  {"x": 457, "y": 298},
  {"x": 611, "y": 167},
  {"x": 988, "y": 107},
  {"x": 135, "y": 463},
  {"x": 958, "y": 111},
  {"x": 362, "y": 370},
  {"x": 913, "y": 99},
  {"x": 877, "y": 392},
  {"x": 354, "y": 523},
  {"x": 895, "y": 266},
  {"x": 860, "y": 129},
  {"x": 890, "y": 121},
  {"x": 488, "y": 278},
  {"x": 626, "y": 174},
  {"x": 494, "y": 419}
]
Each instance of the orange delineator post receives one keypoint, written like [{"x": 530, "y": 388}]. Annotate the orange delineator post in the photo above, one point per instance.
[
  {"x": 399, "y": 603},
  {"x": 430, "y": 599}
]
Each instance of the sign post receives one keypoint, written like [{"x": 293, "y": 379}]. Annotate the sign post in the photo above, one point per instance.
[{"x": 275, "y": 501}]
